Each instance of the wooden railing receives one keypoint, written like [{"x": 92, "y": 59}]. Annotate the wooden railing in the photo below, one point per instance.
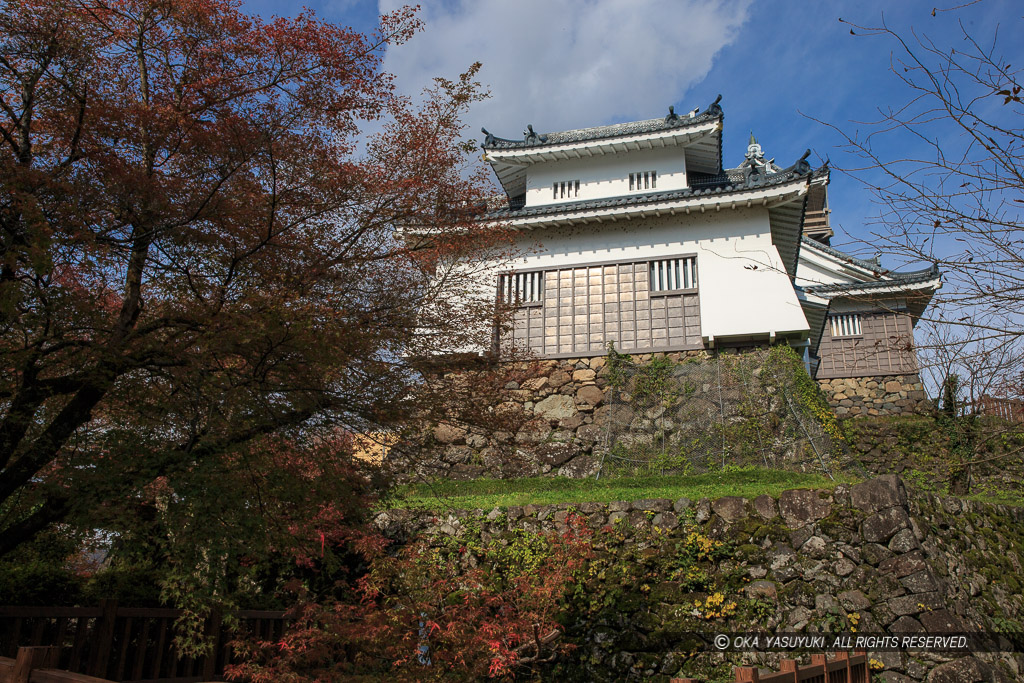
[
  {"x": 1010, "y": 409},
  {"x": 127, "y": 643},
  {"x": 843, "y": 669},
  {"x": 35, "y": 665}
]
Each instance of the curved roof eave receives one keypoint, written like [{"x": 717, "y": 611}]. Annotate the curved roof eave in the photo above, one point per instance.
[
  {"x": 681, "y": 199},
  {"x": 672, "y": 122}
]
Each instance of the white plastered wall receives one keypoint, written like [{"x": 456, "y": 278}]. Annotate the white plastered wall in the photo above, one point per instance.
[
  {"x": 744, "y": 288},
  {"x": 818, "y": 268},
  {"x": 605, "y": 176}
]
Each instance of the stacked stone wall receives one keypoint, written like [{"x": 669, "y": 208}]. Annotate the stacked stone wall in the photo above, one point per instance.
[
  {"x": 865, "y": 558},
  {"x": 872, "y": 396},
  {"x": 565, "y": 418}
]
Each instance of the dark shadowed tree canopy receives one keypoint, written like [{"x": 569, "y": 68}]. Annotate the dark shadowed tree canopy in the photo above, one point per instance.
[{"x": 200, "y": 282}]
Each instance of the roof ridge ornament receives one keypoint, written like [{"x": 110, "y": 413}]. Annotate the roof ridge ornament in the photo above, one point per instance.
[
  {"x": 754, "y": 151},
  {"x": 715, "y": 108},
  {"x": 672, "y": 115},
  {"x": 531, "y": 137},
  {"x": 489, "y": 140},
  {"x": 801, "y": 166}
]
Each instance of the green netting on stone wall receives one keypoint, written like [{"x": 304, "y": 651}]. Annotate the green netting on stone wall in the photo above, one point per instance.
[{"x": 701, "y": 415}]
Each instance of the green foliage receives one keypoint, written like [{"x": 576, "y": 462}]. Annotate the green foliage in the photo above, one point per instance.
[
  {"x": 617, "y": 363},
  {"x": 784, "y": 363},
  {"x": 926, "y": 449},
  {"x": 649, "y": 590},
  {"x": 652, "y": 385},
  {"x": 39, "y": 583},
  {"x": 752, "y": 408},
  {"x": 135, "y": 586},
  {"x": 485, "y": 494}
]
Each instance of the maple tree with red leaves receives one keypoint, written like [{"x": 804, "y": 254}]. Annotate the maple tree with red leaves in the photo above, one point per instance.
[
  {"x": 204, "y": 284},
  {"x": 423, "y": 613}
]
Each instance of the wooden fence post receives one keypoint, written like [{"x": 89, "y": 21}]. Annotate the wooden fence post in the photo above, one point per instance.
[
  {"x": 33, "y": 657},
  {"x": 790, "y": 666},
  {"x": 99, "y": 658},
  {"x": 213, "y": 631},
  {"x": 844, "y": 657},
  {"x": 747, "y": 674}
]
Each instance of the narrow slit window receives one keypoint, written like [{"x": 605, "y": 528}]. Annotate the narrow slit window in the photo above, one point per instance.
[
  {"x": 565, "y": 189},
  {"x": 643, "y": 180}
]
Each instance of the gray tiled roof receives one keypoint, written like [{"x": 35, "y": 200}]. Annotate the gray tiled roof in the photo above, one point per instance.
[
  {"x": 874, "y": 266},
  {"x": 646, "y": 198},
  {"x": 894, "y": 278},
  {"x": 612, "y": 131}
]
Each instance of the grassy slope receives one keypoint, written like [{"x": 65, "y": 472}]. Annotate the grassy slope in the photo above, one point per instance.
[{"x": 488, "y": 493}]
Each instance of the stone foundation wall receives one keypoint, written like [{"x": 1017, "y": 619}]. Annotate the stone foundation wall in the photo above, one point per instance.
[
  {"x": 559, "y": 414},
  {"x": 865, "y": 558},
  {"x": 564, "y": 418},
  {"x": 887, "y": 395}
]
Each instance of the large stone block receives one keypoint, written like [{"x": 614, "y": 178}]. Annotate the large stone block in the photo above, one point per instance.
[
  {"x": 914, "y": 604},
  {"x": 586, "y": 375},
  {"x": 942, "y": 621},
  {"x": 766, "y": 507},
  {"x": 556, "y": 454},
  {"x": 967, "y": 670},
  {"x": 903, "y": 565},
  {"x": 730, "y": 508},
  {"x": 666, "y": 520},
  {"x": 556, "y": 407},
  {"x": 800, "y": 507},
  {"x": 580, "y": 467},
  {"x": 449, "y": 433},
  {"x": 881, "y": 527},
  {"x": 558, "y": 378},
  {"x": 590, "y": 395},
  {"x": 653, "y": 504},
  {"x": 535, "y": 383},
  {"x": 878, "y": 494},
  {"x": 854, "y": 601}
]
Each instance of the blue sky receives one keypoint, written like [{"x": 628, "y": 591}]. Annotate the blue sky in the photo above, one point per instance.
[{"x": 579, "y": 63}]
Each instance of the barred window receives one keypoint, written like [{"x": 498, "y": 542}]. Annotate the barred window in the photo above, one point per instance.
[
  {"x": 845, "y": 325},
  {"x": 643, "y": 180},
  {"x": 567, "y": 189},
  {"x": 521, "y": 288},
  {"x": 674, "y": 273}
]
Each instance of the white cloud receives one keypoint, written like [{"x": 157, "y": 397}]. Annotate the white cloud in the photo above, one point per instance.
[{"x": 571, "y": 63}]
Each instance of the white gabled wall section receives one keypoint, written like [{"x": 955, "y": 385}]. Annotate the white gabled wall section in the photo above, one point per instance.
[
  {"x": 745, "y": 292},
  {"x": 819, "y": 267},
  {"x": 606, "y": 176}
]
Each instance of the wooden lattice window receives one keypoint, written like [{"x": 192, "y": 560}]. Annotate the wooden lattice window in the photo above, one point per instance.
[
  {"x": 845, "y": 325},
  {"x": 521, "y": 288},
  {"x": 674, "y": 273}
]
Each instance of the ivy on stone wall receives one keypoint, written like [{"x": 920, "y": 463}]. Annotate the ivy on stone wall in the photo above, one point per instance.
[{"x": 785, "y": 364}]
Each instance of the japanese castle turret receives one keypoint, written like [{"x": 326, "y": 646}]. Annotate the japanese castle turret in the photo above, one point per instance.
[{"x": 636, "y": 234}]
